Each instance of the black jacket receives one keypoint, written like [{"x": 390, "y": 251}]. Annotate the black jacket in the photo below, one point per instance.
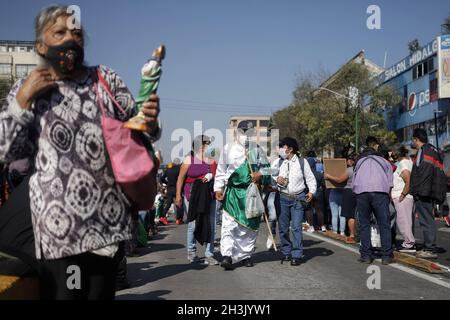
[
  {"x": 199, "y": 210},
  {"x": 428, "y": 179},
  {"x": 170, "y": 177}
]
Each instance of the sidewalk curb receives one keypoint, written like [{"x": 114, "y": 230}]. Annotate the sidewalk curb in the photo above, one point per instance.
[{"x": 402, "y": 258}]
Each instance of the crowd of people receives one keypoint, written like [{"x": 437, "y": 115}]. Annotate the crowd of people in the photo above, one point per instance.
[
  {"x": 382, "y": 189},
  {"x": 73, "y": 211}
]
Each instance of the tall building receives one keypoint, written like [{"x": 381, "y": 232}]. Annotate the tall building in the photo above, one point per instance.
[
  {"x": 17, "y": 59},
  {"x": 422, "y": 80}
]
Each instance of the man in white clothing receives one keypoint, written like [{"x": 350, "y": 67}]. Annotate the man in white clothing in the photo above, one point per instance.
[{"x": 297, "y": 185}]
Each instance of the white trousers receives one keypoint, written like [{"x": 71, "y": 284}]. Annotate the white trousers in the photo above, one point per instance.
[{"x": 236, "y": 241}]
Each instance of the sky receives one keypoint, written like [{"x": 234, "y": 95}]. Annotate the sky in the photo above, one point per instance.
[{"x": 233, "y": 57}]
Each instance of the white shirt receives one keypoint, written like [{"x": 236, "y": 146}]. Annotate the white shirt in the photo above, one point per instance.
[
  {"x": 232, "y": 157},
  {"x": 399, "y": 183},
  {"x": 292, "y": 170},
  {"x": 275, "y": 170}
]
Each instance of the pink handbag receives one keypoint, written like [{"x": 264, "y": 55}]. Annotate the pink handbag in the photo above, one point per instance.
[{"x": 133, "y": 166}]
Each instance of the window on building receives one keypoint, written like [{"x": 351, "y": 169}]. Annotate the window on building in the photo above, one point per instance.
[
  {"x": 423, "y": 68},
  {"x": 431, "y": 65},
  {"x": 5, "y": 68},
  {"x": 420, "y": 70},
  {"x": 23, "y": 70},
  {"x": 22, "y": 49},
  {"x": 433, "y": 90},
  {"x": 414, "y": 73},
  {"x": 264, "y": 123}
]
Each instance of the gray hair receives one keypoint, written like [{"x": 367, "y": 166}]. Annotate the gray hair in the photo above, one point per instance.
[{"x": 48, "y": 15}]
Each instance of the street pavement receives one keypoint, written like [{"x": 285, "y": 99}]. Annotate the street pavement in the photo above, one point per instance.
[{"x": 330, "y": 271}]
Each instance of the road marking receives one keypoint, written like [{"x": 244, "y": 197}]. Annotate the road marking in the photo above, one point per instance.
[
  {"x": 444, "y": 230},
  {"x": 397, "y": 266}
]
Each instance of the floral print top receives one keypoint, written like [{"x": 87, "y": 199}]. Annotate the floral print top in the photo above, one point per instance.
[{"x": 76, "y": 205}]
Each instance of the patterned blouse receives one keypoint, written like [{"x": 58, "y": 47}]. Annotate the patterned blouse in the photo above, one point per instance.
[{"x": 76, "y": 205}]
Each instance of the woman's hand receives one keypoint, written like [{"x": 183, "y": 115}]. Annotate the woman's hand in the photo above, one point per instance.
[
  {"x": 38, "y": 82},
  {"x": 178, "y": 201},
  {"x": 151, "y": 111},
  {"x": 219, "y": 196}
]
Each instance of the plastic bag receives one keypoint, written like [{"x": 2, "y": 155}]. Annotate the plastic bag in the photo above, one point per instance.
[
  {"x": 254, "y": 205},
  {"x": 375, "y": 236}
]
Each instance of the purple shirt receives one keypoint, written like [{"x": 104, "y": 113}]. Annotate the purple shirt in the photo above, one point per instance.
[
  {"x": 197, "y": 170},
  {"x": 372, "y": 174}
]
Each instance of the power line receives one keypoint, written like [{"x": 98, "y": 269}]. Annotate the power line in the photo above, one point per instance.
[
  {"x": 219, "y": 104},
  {"x": 200, "y": 108}
]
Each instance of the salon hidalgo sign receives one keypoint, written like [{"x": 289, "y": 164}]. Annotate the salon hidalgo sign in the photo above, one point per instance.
[
  {"x": 444, "y": 66},
  {"x": 410, "y": 61}
]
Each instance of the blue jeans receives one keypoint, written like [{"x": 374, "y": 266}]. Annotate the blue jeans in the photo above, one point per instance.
[
  {"x": 218, "y": 212},
  {"x": 291, "y": 214},
  {"x": 336, "y": 207},
  {"x": 191, "y": 242},
  {"x": 378, "y": 203}
]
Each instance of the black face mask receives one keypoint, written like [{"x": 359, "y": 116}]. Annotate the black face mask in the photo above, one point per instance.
[{"x": 66, "y": 58}]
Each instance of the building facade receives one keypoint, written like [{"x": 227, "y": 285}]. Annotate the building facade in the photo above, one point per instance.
[
  {"x": 422, "y": 80},
  {"x": 263, "y": 135},
  {"x": 17, "y": 59}
]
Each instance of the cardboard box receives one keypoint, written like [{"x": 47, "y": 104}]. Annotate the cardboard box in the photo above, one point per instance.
[{"x": 336, "y": 168}]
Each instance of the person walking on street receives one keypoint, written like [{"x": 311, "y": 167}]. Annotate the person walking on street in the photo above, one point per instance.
[
  {"x": 297, "y": 186},
  {"x": 198, "y": 169},
  {"x": 233, "y": 178},
  {"x": 170, "y": 178}
]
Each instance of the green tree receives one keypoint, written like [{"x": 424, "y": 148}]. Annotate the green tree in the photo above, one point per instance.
[
  {"x": 325, "y": 122},
  {"x": 446, "y": 25}
]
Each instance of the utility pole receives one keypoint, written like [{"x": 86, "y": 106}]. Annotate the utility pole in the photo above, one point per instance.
[
  {"x": 436, "y": 127},
  {"x": 354, "y": 96}
]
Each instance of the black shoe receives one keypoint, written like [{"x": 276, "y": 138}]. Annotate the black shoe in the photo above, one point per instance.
[
  {"x": 122, "y": 285},
  {"x": 285, "y": 259},
  {"x": 227, "y": 263},
  {"x": 387, "y": 260},
  {"x": 366, "y": 260},
  {"x": 296, "y": 262},
  {"x": 248, "y": 263}
]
